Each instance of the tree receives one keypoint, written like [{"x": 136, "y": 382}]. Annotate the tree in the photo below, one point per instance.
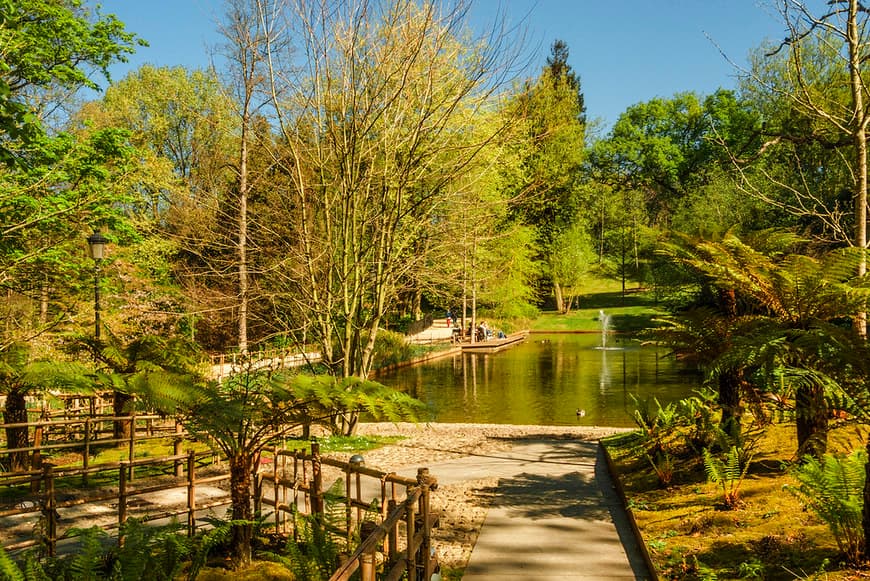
[
  {"x": 570, "y": 261},
  {"x": 552, "y": 132},
  {"x": 181, "y": 123},
  {"x": 253, "y": 409},
  {"x": 125, "y": 366},
  {"x": 374, "y": 141},
  {"x": 22, "y": 376},
  {"x": 68, "y": 187},
  {"x": 823, "y": 53},
  {"x": 54, "y": 188},
  {"x": 46, "y": 43},
  {"x": 790, "y": 303}
]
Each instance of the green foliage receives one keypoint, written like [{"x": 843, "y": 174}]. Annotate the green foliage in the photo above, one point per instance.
[
  {"x": 391, "y": 348},
  {"x": 833, "y": 489},
  {"x": 149, "y": 553},
  {"x": 314, "y": 555},
  {"x": 751, "y": 570},
  {"x": 657, "y": 424},
  {"x": 663, "y": 466},
  {"x": 9, "y": 571},
  {"x": 701, "y": 415},
  {"x": 728, "y": 474},
  {"x": 43, "y": 44}
]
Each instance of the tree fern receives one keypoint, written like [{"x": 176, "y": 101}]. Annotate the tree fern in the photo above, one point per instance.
[{"x": 833, "y": 488}]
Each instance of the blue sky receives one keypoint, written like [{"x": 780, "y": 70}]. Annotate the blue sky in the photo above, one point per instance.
[{"x": 625, "y": 51}]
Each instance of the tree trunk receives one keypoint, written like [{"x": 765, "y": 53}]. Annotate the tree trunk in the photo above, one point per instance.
[
  {"x": 560, "y": 301},
  {"x": 860, "y": 119},
  {"x": 241, "y": 470},
  {"x": 15, "y": 412},
  {"x": 865, "y": 512},
  {"x": 812, "y": 420},
  {"x": 243, "y": 236},
  {"x": 729, "y": 399},
  {"x": 121, "y": 429}
]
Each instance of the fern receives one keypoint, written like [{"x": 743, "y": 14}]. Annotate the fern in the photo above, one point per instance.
[
  {"x": 833, "y": 488},
  {"x": 91, "y": 558},
  {"x": 9, "y": 571},
  {"x": 151, "y": 552},
  {"x": 314, "y": 555},
  {"x": 728, "y": 474}
]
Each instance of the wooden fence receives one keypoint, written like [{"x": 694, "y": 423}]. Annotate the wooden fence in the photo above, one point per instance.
[
  {"x": 377, "y": 517},
  {"x": 83, "y": 435},
  {"x": 393, "y": 522}
]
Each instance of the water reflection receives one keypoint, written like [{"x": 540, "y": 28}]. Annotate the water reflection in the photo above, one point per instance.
[{"x": 544, "y": 381}]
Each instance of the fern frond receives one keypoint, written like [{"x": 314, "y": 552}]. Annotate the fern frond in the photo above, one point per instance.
[{"x": 9, "y": 571}]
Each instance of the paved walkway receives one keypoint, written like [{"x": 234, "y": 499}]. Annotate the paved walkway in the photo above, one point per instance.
[{"x": 555, "y": 515}]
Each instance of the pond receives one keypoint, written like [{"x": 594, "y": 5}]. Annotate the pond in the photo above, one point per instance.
[{"x": 547, "y": 380}]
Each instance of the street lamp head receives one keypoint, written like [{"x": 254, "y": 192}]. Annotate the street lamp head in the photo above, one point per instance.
[{"x": 97, "y": 245}]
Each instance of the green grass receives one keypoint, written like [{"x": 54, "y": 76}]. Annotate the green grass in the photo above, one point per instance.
[
  {"x": 344, "y": 444},
  {"x": 628, "y": 314}
]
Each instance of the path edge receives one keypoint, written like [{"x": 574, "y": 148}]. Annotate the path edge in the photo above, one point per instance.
[{"x": 620, "y": 492}]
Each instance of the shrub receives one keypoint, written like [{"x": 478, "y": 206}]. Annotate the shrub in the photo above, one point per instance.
[
  {"x": 832, "y": 488},
  {"x": 728, "y": 474}
]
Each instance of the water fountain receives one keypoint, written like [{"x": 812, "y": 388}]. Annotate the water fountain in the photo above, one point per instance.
[{"x": 604, "y": 319}]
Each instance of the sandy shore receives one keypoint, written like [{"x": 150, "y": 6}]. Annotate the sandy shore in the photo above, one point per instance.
[{"x": 462, "y": 506}]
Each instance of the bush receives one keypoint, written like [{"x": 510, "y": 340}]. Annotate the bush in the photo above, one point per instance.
[
  {"x": 391, "y": 348},
  {"x": 832, "y": 488}
]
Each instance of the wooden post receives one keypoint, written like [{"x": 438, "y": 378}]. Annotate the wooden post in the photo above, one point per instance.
[
  {"x": 367, "y": 560},
  {"x": 191, "y": 493},
  {"x": 411, "y": 532},
  {"x": 347, "y": 507},
  {"x": 392, "y": 534},
  {"x": 359, "y": 498},
  {"x": 317, "y": 480},
  {"x": 176, "y": 450},
  {"x": 132, "y": 445},
  {"x": 36, "y": 459},
  {"x": 275, "y": 496},
  {"x": 49, "y": 506},
  {"x": 122, "y": 498},
  {"x": 424, "y": 481},
  {"x": 86, "y": 453}
]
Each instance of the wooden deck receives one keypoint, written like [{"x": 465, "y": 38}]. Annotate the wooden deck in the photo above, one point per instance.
[{"x": 494, "y": 345}]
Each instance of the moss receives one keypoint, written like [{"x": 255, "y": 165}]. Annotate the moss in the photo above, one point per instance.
[
  {"x": 258, "y": 571},
  {"x": 770, "y": 534}
]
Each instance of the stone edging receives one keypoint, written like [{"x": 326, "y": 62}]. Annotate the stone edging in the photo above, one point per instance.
[{"x": 620, "y": 491}]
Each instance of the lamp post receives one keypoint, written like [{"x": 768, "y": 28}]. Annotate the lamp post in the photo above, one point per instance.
[{"x": 96, "y": 248}]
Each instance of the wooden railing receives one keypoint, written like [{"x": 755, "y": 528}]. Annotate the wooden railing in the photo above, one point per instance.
[
  {"x": 46, "y": 506},
  {"x": 86, "y": 433},
  {"x": 225, "y": 364},
  {"x": 377, "y": 518},
  {"x": 296, "y": 480}
]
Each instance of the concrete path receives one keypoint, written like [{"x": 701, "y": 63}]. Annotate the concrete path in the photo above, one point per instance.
[{"x": 555, "y": 515}]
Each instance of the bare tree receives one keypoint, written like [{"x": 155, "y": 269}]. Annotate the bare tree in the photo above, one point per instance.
[
  {"x": 377, "y": 135},
  {"x": 819, "y": 47}
]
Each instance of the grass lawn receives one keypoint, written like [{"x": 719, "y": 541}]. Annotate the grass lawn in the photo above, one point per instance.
[{"x": 630, "y": 313}]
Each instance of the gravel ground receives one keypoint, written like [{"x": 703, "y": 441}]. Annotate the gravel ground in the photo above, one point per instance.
[{"x": 462, "y": 506}]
